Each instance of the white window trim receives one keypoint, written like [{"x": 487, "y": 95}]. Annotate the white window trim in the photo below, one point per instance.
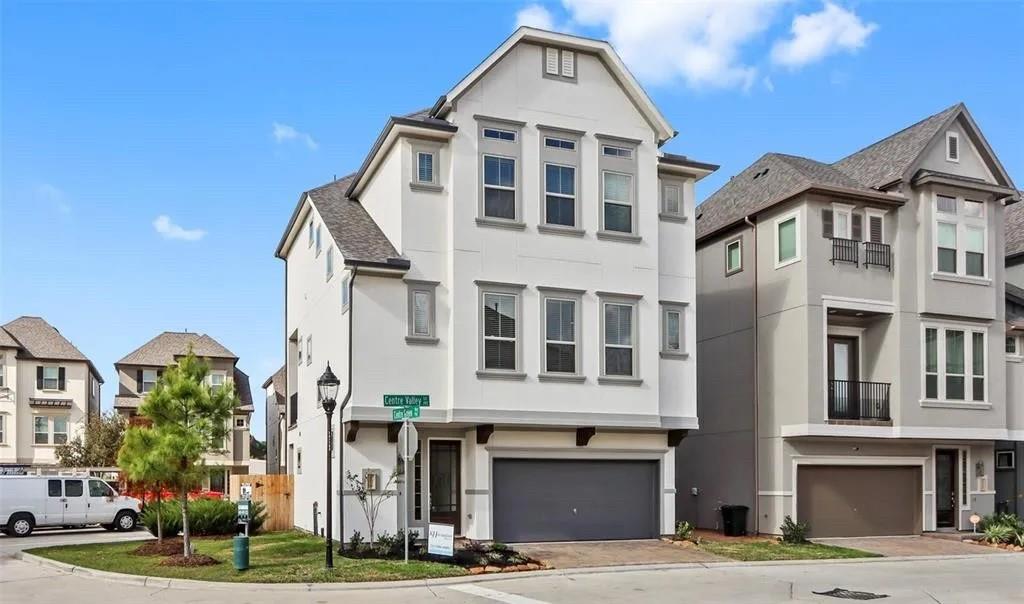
[
  {"x": 870, "y": 213},
  {"x": 619, "y": 149},
  {"x": 319, "y": 241},
  {"x": 574, "y": 198},
  {"x": 569, "y": 295},
  {"x": 424, "y": 148},
  {"x": 55, "y": 378},
  {"x": 433, "y": 167},
  {"x": 142, "y": 386},
  {"x": 547, "y": 137},
  {"x": 845, "y": 210},
  {"x": 962, "y": 223},
  {"x": 674, "y": 307},
  {"x": 631, "y": 203},
  {"x": 429, "y": 288},
  {"x": 795, "y": 214},
  {"x": 517, "y": 216},
  {"x": 941, "y": 401},
  {"x": 501, "y": 289},
  {"x": 220, "y": 374},
  {"x": 514, "y": 133},
  {"x": 663, "y": 212},
  {"x": 737, "y": 241},
  {"x": 625, "y": 300},
  {"x": 1018, "y": 355},
  {"x": 953, "y": 135},
  {"x": 1013, "y": 460}
]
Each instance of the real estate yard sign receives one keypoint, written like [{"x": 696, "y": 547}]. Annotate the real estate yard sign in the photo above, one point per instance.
[{"x": 441, "y": 539}]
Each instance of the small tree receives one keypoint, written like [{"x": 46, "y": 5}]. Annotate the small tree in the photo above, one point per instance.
[
  {"x": 190, "y": 419},
  {"x": 97, "y": 446},
  {"x": 369, "y": 500},
  {"x": 145, "y": 460}
]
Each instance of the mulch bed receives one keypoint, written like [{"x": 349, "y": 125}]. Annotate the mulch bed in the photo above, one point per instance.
[
  {"x": 169, "y": 547},
  {"x": 193, "y": 560}
]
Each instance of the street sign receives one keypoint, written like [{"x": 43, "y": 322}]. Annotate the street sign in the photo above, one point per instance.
[
  {"x": 441, "y": 539},
  {"x": 402, "y": 413},
  {"x": 406, "y": 400},
  {"x": 408, "y": 441}
]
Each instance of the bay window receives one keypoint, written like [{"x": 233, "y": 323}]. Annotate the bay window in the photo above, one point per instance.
[{"x": 961, "y": 237}]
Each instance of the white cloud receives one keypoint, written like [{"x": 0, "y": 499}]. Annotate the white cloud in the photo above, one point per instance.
[
  {"x": 699, "y": 41},
  {"x": 55, "y": 197},
  {"x": 537, "y": 16},
  {"x": 169, "y": 230},
  {"x": 769, "y": 85},
  {"x": 284, "y": 133},
  {"x": 814, "y": 36}
]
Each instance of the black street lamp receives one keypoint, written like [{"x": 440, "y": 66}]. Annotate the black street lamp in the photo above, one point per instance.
[{"x": 327, "y": 386}]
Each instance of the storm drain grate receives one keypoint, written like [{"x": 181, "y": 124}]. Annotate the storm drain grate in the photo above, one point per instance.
[{"x": 846, "y": 594}]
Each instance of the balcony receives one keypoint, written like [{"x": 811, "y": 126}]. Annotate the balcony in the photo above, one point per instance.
[
  {"x": 858, "y": 401},
  {"x": 848, "y": 250}
]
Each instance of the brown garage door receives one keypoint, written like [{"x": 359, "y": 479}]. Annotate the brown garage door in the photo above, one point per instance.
[{"x": 859, "y": 501}]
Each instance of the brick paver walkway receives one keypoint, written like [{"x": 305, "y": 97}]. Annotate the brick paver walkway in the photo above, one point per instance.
[
  {"x": 613, "y": 553},
  {"x": 910, "y": 546}
]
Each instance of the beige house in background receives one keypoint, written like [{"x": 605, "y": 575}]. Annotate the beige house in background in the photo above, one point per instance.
[
  {"x": 48, "y": 390},
  {"x": 138, "y": 372},
  {"x": 276, "y": 411}
]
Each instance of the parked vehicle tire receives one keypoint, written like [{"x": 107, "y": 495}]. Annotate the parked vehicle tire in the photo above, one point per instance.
[
  {"x": 125, "y": 520},
  {"x": 108, "y": 527},
  {"x": 21, "y": 525}
]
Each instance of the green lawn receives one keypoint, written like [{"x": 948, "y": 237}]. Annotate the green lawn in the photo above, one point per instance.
[
  {"x": 748, "y": 551},
  {"x": 288, "y": 557}
]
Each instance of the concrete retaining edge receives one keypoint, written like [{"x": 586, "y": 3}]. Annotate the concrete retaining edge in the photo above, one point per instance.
[{"x": 190, "y": 584}]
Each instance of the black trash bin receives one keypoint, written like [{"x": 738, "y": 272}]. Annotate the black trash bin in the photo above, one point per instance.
[{"x": 734, "y": 520}]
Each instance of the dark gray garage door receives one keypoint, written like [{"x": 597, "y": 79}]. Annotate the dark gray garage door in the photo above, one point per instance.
[
  {"x": 859, "y": 501},
  {"x": 570, "y": 500}
]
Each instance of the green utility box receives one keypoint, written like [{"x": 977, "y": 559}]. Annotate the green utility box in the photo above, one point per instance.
[{"x": 241, "y": 552}]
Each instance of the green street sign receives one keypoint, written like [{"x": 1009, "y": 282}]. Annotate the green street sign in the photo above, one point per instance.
[
  {"x": 402, "y": 413},
  {"x": 407, "y": 400}
]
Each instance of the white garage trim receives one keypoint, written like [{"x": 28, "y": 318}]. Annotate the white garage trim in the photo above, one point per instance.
[{"x": 846, "y": 460}]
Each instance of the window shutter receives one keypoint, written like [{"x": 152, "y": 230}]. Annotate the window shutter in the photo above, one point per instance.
[
  {"x": 875, "y": 229},
  {"x": 826, "y": 223},
  {"x": 60, "y": 378},
  {"x": 39, "y": 377},
  {"x": 856, "y": 226},
  {"x": 953, "y": 147},
  {"x": 138, "y": 380},
  {"x": 568, "y": 64},
  {"x": 551, "y": 61}
]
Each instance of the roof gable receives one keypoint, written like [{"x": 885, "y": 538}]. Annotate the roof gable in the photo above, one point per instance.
[
  {"x": 164, "y": 349},
  {"x": 38, "y": 339},
  {"x": 602, "y": 49}
]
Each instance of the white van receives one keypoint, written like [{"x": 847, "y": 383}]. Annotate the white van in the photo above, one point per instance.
[{"x": 30, "y": 501}]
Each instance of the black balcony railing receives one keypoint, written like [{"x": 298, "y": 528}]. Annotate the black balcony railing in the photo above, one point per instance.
[
  {"x": 293, "y": 409},
  {"x": 845, "y": 250},
  {"x": 858, "y": 400},
  {"x": 878, "y": 254}
]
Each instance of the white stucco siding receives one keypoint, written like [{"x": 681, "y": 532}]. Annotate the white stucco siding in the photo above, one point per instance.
[
  {"x": 76, "y": 389},
  {"x": 382, "y": 193},
  {"x": 970, "y": 163}
]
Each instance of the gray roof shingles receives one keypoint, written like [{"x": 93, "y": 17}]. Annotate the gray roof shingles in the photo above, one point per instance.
[
  {"x": 357, "y": 236},
  {"x": 166, "y": 347},
  {"x": 1015, "y": 228},
  {"x": 38, "y": 339},
  {"x": 278, "y": 379}
]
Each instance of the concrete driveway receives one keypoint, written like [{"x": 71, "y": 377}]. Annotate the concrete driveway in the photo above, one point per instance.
[
  {"x": 909, "y": 546},
  {"x": 613, "y": 553}
]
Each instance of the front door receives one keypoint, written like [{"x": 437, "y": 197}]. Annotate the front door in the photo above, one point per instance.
[
  {"x": 843, "y": 376},
  {"x": 946, "y": 488},
  {"x": 445, "y": 462}
]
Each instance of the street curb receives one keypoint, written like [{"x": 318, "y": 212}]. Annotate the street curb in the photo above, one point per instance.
[{"x": 190, "y": 584}]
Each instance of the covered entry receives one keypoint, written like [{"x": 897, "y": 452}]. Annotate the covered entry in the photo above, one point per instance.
[
  {"x": 859, "y": 501},
  {"x": 573, "y": 500}
]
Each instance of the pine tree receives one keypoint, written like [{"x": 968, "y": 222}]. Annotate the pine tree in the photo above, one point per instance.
[{"x": 146, "y": 460}]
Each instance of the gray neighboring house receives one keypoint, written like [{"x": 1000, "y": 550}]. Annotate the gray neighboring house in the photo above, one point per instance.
[
  {"x": 1010, "y": 454},
  {"x": 276, "y": 389},
  {"x": 851, "y": 335},
  {"x": 139, "y": 370}
]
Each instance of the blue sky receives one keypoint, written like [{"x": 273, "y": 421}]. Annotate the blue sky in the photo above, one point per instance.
[{"x": 217, "y": 116}]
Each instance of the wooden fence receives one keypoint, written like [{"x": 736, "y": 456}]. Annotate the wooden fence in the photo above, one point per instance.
[{"x": 275, "y": 491}]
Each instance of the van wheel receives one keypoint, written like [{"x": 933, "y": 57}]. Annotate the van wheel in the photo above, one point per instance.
[
  {"x": 20, "y": 525},
  {"x": 125, "y": 521}
]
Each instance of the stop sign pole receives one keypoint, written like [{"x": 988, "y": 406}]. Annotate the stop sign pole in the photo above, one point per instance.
[{"x": 408, "y": 444}]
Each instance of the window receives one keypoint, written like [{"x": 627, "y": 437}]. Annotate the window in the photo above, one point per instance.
[
  {"x": 149, "y": 378},
  {"x": 560, "y": 195},
  {"x": 559, "y": 63},
  {"x": 499, "y": 187},
  {"x": 672, "y": 333},
  {"x": 619, "y": 350},
  {"x": 614, "y": 151},
  {"x": 421, "y": 312},
  {"x": 3, "y": 429},
  {"x": 1005, "y": 460},
  {"x": 499, "y": 134},
  {"x": 73, "y": 488},
  {"x": 98, "y": 488},
  {"x": 425, "y": 167},
  {"x": 954, "y": 364},
  {"x": 41, "y": 430},
  {"x": 787, "y": 240},
  {"x": 559, "y": 143},
  {"x": 734, "y": 256},
  {"x": 618, "y": 202},
  {"x": 1013, "y": 346},
  {"x": 318, "y": 240},
  {"x": 876, "y": 225},
  {"x": 239, "y": 422},
  {"x": 309, "y": 349},
  {"x": 216, "y": 381},
  {"x": 560, "y": 336},
  {"x": 952, "y": 146},
  {"x": 51, "y": 378},
  {"x": 345, "y": 298},
  {"x": 500, "y": 335},
  {"x": 330, "y": 263},
  {"x": 961, "y": 237},
  {"x": 55, "y": 487},
  {"x": 671, "y": 201},
  {"x": 841, "y": 219}
]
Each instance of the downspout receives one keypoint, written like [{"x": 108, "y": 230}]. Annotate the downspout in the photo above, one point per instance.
[
  {"x": 341, "y": 414},
  {"x": 757, "y": 405}
]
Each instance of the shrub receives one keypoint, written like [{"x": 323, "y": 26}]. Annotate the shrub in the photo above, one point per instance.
[
  {"x": 999, "y": 533},
  {"x": 1003, "y": 519},
  {"x": 792, "y": 531},
  {"x": 356, "y": 541},
  {"x": 1020, "y": 539},
  {"x": 684, "y": 530},
  {"x": 170, "y": 518},
  {"x": 257, "y": 516}
]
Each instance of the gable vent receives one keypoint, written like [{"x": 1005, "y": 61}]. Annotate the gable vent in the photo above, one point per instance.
[
  {"x": 952, "y": 146},
  {"x": 551, "y": 61},
  {"x": 568, "y": 64}
]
